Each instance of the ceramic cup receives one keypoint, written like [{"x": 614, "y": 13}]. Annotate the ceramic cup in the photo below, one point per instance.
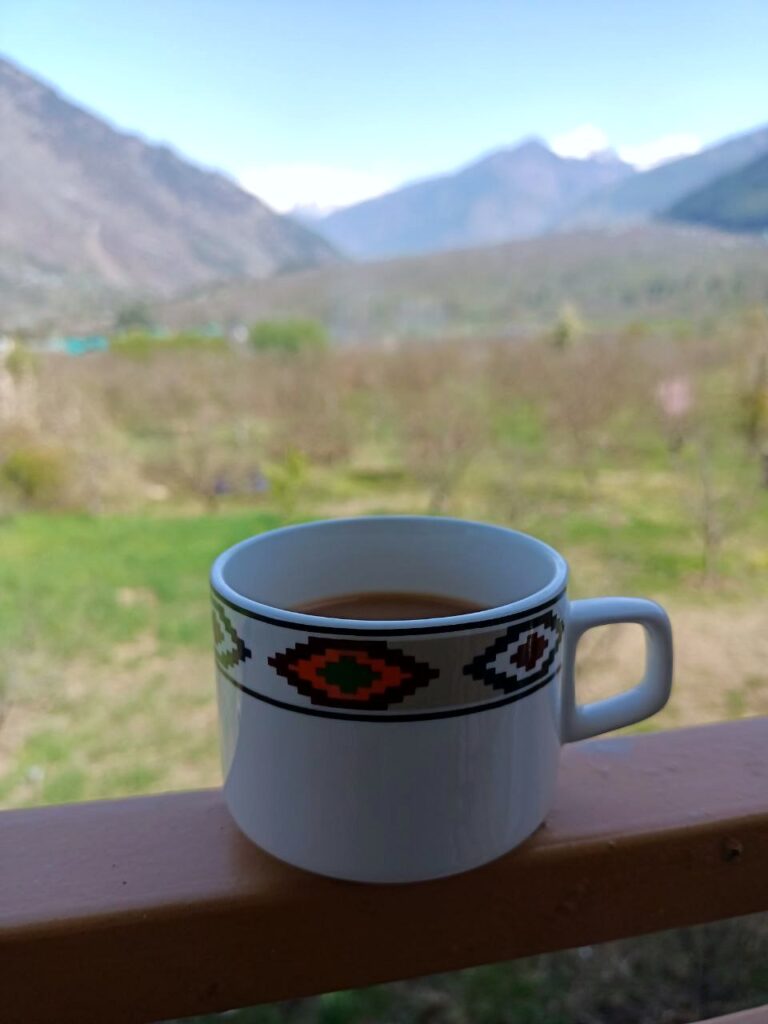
[{"x": 442, "y": 751}]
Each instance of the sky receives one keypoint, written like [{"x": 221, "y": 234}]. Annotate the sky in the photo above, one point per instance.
[{"x": 325, "y": 102}]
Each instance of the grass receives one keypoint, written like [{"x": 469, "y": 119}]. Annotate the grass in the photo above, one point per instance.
[
  {"x": 106, "y": 623},
  {"x": 76, "y": 585}
]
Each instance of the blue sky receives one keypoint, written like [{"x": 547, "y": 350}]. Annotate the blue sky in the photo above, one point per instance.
[{"x": 325, "y": 101}]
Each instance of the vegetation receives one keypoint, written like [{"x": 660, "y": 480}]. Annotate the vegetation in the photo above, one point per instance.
[
  {"x": 288, "y": 336},
  {"x": 641, "y": 457},
  {"x": 141, "y": 343},
  {"x": 36, "y": 474},
  {"x": 568, "y": 328},
  {"x": 666, "y": 277},
  {"x": 638, "y": 453},
  {"x": 134, "y": 316}
]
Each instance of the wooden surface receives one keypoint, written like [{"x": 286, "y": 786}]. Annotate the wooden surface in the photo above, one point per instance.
[
  {"x": 758, "y": 1015},
  {"x": 156, "y": 907}
]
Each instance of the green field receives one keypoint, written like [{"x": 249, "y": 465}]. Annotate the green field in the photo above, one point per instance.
[
  {"x": 124, "y": 475},
  {"x": 104, "y": 620},
  {"x": 105, "y": 625}
]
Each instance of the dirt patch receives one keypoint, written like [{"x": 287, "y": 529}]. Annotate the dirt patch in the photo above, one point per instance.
[
  {"x": 721, "y": 663},
  {"x": 142, "y": 721}
]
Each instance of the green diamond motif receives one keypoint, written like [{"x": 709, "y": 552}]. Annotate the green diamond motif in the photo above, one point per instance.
[{"x": 348, "y": 674}]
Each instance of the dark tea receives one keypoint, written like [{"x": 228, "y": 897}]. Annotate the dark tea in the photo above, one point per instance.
[{"x": 389, "y": 605}]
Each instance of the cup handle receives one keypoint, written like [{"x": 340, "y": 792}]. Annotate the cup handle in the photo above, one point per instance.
[{"x": 580, "y": 721}]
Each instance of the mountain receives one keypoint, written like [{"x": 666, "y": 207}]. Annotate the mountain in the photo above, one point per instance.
[
  {"x": 512, "y": 193},
  {"x": 735, "y": 202},
  {"x": 650, "y": 273},
  {"x": 88, "y": 211},
  {"x": 651, "y": 193}
]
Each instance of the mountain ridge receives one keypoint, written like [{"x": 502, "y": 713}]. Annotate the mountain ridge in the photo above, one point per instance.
[
  {"x": 737, "y": 201},
  {"x": 91, "y": 211},
  {"x": 650, "y": 193},
  {"x": 516, "y": 192},
  {"x": 395, "y": 223}
]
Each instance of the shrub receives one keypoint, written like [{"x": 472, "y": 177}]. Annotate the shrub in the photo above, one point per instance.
[
  {"x": 288, "y": 336},
  {"x": 287, "y": 482},
  {"x": 39, "y": 474},
  {"x": 138, "y": 344},
  {"x": 196, "y": 340},
  {"x": 142, "y": 344},
  {"x": 136, "y": 316},
  {"x": 568, "y": 327},
  {"x": 20, "y": 361}
]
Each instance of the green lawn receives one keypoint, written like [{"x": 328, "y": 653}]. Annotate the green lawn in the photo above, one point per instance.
[
  {"x": 107, "y": 681},
  {"x": 107, "y": 685},
  {"x": 74, "y": 585}
]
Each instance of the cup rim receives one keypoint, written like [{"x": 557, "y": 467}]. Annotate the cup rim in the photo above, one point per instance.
[{"x": 273, "y": 614}]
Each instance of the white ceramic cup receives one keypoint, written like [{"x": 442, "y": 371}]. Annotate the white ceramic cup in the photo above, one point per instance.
[{"x": 436, "y": 748}]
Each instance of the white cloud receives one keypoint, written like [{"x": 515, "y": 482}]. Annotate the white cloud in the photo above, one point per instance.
[
  {"x": 580, "y": 142},
  {"x": 587, "y": 139},
  {"x": 658, "y": 151},
  {"x": 317, "y": 186}
]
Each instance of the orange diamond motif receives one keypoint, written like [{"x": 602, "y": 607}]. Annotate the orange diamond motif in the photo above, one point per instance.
[{"x": 351, "y": 673}]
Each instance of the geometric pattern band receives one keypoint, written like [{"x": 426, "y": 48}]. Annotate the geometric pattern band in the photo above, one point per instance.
[{"x": 365, "y": 674}]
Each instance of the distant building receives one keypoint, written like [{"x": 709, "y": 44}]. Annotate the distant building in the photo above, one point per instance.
[{"x": 73, "y": 345}]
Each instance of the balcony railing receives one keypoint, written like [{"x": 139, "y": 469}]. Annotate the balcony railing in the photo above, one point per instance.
[{"x": 156, "y": 907}]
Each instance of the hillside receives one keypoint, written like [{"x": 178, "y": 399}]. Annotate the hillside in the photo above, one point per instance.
[
  {"x": 649, "y": 273},
  {"x": 88, "y": 212},
  {"x": 513, "y": 193},
  {"x": 651, "y": 193},
  {"x": 735, "y": 202}
]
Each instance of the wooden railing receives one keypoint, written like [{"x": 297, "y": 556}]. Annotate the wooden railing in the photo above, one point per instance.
[{"x": 156, "y": 907}]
